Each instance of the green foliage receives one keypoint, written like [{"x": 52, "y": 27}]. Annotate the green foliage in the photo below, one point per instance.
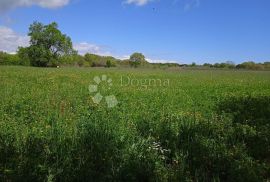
[
  {"x": 125, "y": 63},
  {"x": 251, "y": 117},
  {"x": 266, "y": 65},
  {"x": 251, "y": 65},
  {"x": 92, "y": 59},
  {"x": 228, "y": 65},
  {"x": 43, "y": 57},
  {"x": 80, "y": 60},
  {"x": 100, "y": 61},
  {"x": 203, "y": 126},
  {"x": 245, "y": 65},
  {"x": 47, "y": 45},
  {"x": 207, "y": 65},
  {"x": 193, "y": 64},
  {"x": 111, "y": 61},
  {"x": 137, "y": 59},
  {"x": 8, "y": 59},
  {"x": 163, "y": 65},
  {"x": 23, "y": 56}
]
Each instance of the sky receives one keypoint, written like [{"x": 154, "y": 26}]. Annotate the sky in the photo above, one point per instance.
[{"x": 182, "y": 31}]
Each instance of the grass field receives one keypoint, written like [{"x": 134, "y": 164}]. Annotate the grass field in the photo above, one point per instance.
[{"x": 187, "y": 125}]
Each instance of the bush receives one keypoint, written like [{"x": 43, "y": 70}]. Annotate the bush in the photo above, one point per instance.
[{"x": 9, "y": 59}]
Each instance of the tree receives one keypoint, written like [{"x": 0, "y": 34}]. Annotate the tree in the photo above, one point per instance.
[
  {"x": 92, "y": 59},
  {"x": 95, "y": 60},
  {"x": 137, "y": 59},
  {"x": 47, "y": 45},
  {"x": 266, "y": 65},
  {"x": 23, "y": 56},
  {"x": 246, "y": 65},
  {"x": 110, "y": 61},
  {"x": 193, "y": 64},
  {"x": 81, "y": 61}
]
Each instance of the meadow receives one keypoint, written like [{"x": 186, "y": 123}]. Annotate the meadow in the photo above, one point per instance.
[{"x": 178, "y": 125}]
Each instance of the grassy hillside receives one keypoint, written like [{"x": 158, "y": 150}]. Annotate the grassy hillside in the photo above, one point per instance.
[{"x": 167, "y": 126}]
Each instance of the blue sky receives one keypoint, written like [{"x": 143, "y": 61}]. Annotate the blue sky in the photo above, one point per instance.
[{"x": 181, "y": 31}]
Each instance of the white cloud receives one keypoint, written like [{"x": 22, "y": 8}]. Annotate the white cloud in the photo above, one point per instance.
[
  {"x": 159, "y": 61},
  {"x": 10, "y": 40},
  {"x": 6, "y": 5},
  {"x": 137, "y": 2},
  {"x": 85, "y": 47},
  {"x": 124, "y": 57}
]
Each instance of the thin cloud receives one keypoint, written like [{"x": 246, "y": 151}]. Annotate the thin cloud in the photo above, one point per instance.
[
  {"x": 85, "y": 47},
  {"x": 6, "y": 5},
  {"x": 159, "y": 61},
  {"x": 138, "y": 2}
]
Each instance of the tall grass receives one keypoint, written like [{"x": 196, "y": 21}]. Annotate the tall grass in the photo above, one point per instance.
[{"x": 203, "y": 126}]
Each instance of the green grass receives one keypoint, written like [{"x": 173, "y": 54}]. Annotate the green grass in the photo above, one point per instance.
[{"x": 203, "y": 125}]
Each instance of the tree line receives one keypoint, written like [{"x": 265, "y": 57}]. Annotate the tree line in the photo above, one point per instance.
[{"x": 49, "y": 47}]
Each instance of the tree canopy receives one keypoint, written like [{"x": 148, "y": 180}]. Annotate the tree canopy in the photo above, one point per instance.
[
  {"x": 137, "y": 59},
  {"x": 47, "y": 45}
]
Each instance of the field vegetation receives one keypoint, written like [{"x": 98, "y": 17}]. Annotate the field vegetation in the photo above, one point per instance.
[{"x": 202, "y": 126}]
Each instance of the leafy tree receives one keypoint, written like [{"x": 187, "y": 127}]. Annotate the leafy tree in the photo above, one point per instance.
[
  {"x": 193, "y": 64},
  {"x": 95, "y": 60},
  {"x": 266, "y": 65},
  {"x": 125, "y": 63},
  {"x": 23, "y": 56},
  {"x": 47, "y": 44},
  {"x": 69, "y": 59},
  {"x": 250, "y": 65},
  {"x": 90, "y": 58},
  {"x": 110, "y": 61},
  {"x": 137, "y": 59},
  {"x": 227, "y": 64}
]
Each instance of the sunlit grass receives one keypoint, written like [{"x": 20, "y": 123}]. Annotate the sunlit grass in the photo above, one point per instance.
[{"x": 50, "y": 128}]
